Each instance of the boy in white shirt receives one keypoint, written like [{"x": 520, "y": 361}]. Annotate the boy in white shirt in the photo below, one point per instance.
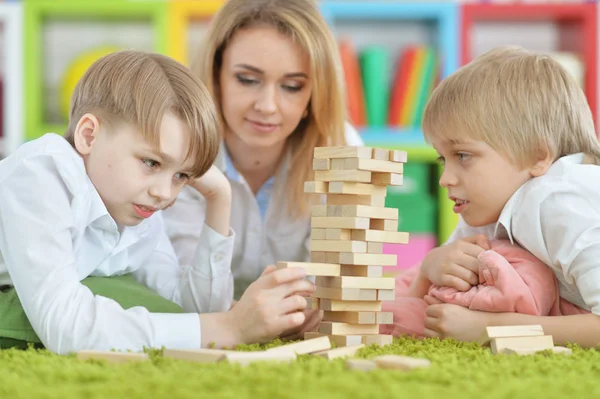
[
  {"x": 88, "y": 204},
  {"x": 520, "y": 154}
]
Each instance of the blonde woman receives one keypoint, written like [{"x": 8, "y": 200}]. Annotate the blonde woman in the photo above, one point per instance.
[{"x": 273, "y": 69}]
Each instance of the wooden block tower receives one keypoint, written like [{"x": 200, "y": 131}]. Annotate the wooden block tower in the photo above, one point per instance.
[{"x": 347, "y": 236}]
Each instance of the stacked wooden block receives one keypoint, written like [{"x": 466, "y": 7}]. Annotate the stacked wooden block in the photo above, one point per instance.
[{"x": 347, "y": 237}]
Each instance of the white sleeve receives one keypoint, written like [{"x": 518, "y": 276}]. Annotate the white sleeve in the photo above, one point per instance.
[
  {"x": 205, "y": 285},
  {"x": 352, "y": 136},
  {"x": 569, "y": 239},
  {"x": 36, "y": 242}
]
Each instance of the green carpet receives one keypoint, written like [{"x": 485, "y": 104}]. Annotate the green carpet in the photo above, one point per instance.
[{"x": 458, "y": 371}]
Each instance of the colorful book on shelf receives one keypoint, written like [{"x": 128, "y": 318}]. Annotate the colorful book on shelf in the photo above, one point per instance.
[
  {"x": 354, "y": 86},
  {"x": 429, "y": 74},
  {"x": 404, "y": 66}
]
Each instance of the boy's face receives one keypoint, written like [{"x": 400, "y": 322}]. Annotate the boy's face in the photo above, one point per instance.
[
  {"x": 479, "y": 180},
  {"x": 132, "y": 178}
]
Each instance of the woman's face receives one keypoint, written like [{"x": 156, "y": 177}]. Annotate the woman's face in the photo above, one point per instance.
[{"x": 265, "y": 86}]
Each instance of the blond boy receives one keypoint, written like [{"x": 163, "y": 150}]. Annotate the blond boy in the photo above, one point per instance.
[
  {"x": 520, "y": 155},
  {"x": 141, "y": 128}
]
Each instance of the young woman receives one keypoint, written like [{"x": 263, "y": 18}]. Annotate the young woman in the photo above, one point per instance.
[{"x": 274, "y": 71}]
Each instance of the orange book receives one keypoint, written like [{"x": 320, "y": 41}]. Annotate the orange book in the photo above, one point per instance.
[{"x": 354, "y": 89}]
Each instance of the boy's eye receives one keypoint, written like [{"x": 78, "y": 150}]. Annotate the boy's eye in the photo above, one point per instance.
[
  {"x": 246, "y": 81},
  {"x": 182, "y": 177},
  {"x": 463, "y": 156},
  {"x": 152, "y": 164}
]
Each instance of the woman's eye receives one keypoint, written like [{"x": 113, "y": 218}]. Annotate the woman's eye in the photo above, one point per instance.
[
  {"x": 152, "y": 164},
  {"x": 292, "y": 89},
  {"x": 245, "y": 81}
]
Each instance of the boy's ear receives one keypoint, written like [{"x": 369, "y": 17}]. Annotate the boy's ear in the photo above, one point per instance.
[
  {"x": 544, "y": 162},
  {"x": 86, "y": 132}
]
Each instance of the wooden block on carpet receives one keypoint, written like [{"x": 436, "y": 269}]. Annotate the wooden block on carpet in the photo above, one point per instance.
[
  {"x": 196, "y": 355},
  {"x": 559, "y": 350},
  {"x": 344, "y": 351},
  {"x": 244, "y": 358},
  {"x": 112, "y": 357},
  {"x": 397, "y": 362},
  {"x": 317, "y": 344},
  {"x": 360, "y": 364},
  {"x": 338, "y": 340},
  {"x": 543, "y": 342}
]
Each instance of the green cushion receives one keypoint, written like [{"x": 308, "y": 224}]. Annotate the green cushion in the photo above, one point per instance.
[{"x": 16, "y": 331}]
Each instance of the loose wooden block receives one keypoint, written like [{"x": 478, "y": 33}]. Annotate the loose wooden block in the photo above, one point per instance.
[
  {"x": 374, "y": 247},
  {"x": 392, "y": 237},
  {"x": 340, "y": 223},
  {"x": 398, "y": 156},
  {"x": 498, "y": 345},
  {"x": 338, "y": 187},
  {"x": 378, "y": 283},
  {"x": 321, "y": 164},
  {"x": 385, "y": 318},
  {"x": 350, "y": 199},
  {"x": 360, "y": 306},
  {"x": 196, "y": 355},
  {"x": 348, "y": 258},
  {"x": 377, "y": 339},
  {"x": 338, "y": 340},
  {"x": 320, "y": 234},
  {"x": 360, "y": 364},
  {"x": 371, "y": 165},
  {"x": 387, "y": 179},
  {"x": 386, "y": 295},
  {"x": 372, "y": 212},
  {"x": 383, "y": 224},
  {"x": 559, "y": 350},
  {"x": 361, "y": 271},
  {"x": 307, "y": 346},
  {"x": 318, "y": 257},
  {"x": 343, "y": 152},
  {"x": 338, "y": 246},
  {"x": 355, "y": 176},
  {"x": 327, "y": 327},
  {"x": 514, "y": 331},
  {"x": 111, "y": 357},
  {"x": 340, "y": 352},
  {"x": 245, "y": 358},
  {"x": 313, "y": 269},
  {"x": 338, "y": 234},
  {"x": 404, "y": 363},
  {"x": 316, "y": 187},
  {"x": 345, "y": 294},
  {"x": 382, "y": 154}
]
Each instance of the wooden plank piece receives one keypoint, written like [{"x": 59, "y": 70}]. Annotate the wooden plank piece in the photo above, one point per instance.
[
  {"x": 372, "y": 212},
  {"x": 498, "y": 345},
  {"x": 339, "y": 222},
  {"x": 383, "y": 224},
  {"x": 387, "y": 179},
  {"x": 245, "y": 358},
  {"x": 328, "y": 327},
  {"x": 392, "y": 237},
  {"x": 354, "y": 176},
  {"x": 514, "y": 331},
  {"x": 378, "y": 283},
  {"x": 375, "y": 248},
  {"x": 338, "y": 246},
  {"x": 196, "y": 355},
  {"x": 304, "y": 347},
  {"x": 351, "y": 199},
  {"x": 320, "y": 234},
  {"x": 558, "y": 350},
  {"x": 111, "y": 357},
  {"x": 316, "y": 187},
  {"x": 321, "y": 164},
  {"x": 338, "y": 340},
  {"x": 348, "y": 258},
  {"x": 360, "y": 364},
  {"x": 371, "y": 165},
  {"x": 404, "y": 363},
  {"x": 343, "y": 152},
  {"x": 382, "y": 154},
  {"x": 338, "y": 187},
  {"x": 345, "y": 294},
  {"x": 338, "y": 234},
  {"x": 360, "y": 306},
  {"x": 313, "y": 269},
  {"x": 398, "y": 156},
  {"x": 344, "y": 351},
  {"x": 361, "y": 271},
  {"x": 377, "y": 339}
]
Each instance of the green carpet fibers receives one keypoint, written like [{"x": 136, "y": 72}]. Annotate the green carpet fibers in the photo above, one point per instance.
[{"x": 458, "y": 370}]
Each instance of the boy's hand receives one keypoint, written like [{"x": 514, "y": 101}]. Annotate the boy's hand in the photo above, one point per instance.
[
  {"x": 212, "y": 184},
  {"x": 216, "y": 190},
  {"x": 271, "y": 305},
  {"x": 311, "y": 323},
  {"x": 455, "y": 265},
  {"x": 454, "y": 321}
]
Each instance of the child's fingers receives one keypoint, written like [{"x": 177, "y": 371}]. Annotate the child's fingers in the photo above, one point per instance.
[
  {"x": 449, "y": 280},
  {"x": 480, "y": 240},
  {"x": 429, "y": 333},
  {"x": 464, "y": 274},
  {"x": 431, "y": 300}
]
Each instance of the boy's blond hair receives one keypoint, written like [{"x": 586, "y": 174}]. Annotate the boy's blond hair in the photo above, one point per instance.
[
  {"x": 520, "y": 103},
  {"x": 139, "y": 88},
  {"x": 303, "y": 23}
]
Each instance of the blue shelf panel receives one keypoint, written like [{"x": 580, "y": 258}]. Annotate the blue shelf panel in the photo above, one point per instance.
[
  {"x": 445, "y": 14},
  {"x": 387, "y": 136}
]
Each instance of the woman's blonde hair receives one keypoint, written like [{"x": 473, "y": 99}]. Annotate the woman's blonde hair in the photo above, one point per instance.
[
  {"x": 139, "y": 88},
  {"x": 520, "y": 103},
  {"x": 303, "y": 23}
]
